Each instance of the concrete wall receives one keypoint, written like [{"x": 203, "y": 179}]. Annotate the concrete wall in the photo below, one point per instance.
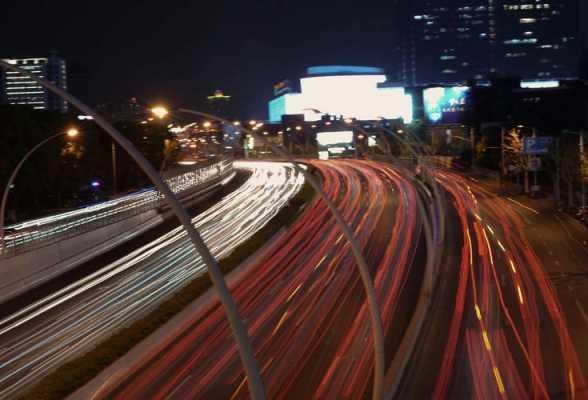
[{"x": 28, "y": 270}]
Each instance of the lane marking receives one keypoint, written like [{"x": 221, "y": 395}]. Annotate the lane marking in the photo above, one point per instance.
[
  {"x": 320, "y": 262},
  {"x": 523, "y": 206},
  {"x": 512, "y": 265},
  {"x": 501, "y": 246},
  {"x": 234, "y": 396},
  {"x": 284, "y": 316},
  {"x": 582, "y": 311},
  {"x": 572, "y": 384},
  {"x": 520, "y": 293},
  {"x": 294, "y": 292},
  {"x": 486, "y": 340},
  {"x": 478, "y": 312},
  {"x": 498, "y": 380}
]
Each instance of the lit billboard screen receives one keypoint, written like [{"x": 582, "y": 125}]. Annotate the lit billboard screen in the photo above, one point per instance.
[
  {"x": 350, "y": 96},
  {"x": 335, "y": 144},
  {"x": 330, "y": 139},
  {"x": 283, "y": 105},
  {"x": 445, "y": 105}
]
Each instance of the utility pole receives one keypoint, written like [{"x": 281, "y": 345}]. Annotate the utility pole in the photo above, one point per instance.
[
  {"x": 473, "y": 144},
  {"x": 535, "y": 189},
  {"x": 501, "y": 172},
  {"x": 556, "y": 182},
  {"x": 582, "y": 168},
  {"x": 114, "y": 180}
]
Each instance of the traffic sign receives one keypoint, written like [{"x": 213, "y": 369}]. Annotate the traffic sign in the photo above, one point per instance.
[{"x": 537, "y": 145}]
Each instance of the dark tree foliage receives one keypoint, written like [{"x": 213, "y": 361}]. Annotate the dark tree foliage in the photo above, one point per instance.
[{"x": 58, "y": 174}]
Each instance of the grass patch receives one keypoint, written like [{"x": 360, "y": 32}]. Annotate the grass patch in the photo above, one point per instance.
[{"x": 77, "y": 372}]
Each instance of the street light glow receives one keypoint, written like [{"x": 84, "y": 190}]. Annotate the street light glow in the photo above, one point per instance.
[
  {"x": 160, "y": 112},
  {"x": 72, "y": 132},
  {"x": 206, "y": 124}
]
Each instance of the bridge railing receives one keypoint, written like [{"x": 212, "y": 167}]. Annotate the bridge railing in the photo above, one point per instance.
[{"x": 29, "y": 235}]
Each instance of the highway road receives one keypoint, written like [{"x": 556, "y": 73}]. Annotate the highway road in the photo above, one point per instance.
[
  {"x": 45, "y": 334},
  {"x": 54, "y": 227},
  {"x": 497, "y": 328},
  {"x": 303, "y": 302}
]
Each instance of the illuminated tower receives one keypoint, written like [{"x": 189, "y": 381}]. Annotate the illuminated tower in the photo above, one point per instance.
[{"x": 219, "y": 104}]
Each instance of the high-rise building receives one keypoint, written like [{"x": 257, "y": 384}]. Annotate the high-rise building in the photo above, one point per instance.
[
  {"x": 538, "y": 39},
  {"x": 451, "y": 41},
  {"x": 583, "y": 37},
  {"x": 448, "y": 41},
  {"x": 18, "y": 89}
]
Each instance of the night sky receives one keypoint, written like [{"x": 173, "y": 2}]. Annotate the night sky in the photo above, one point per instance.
[{"x": 180, "y": 51}]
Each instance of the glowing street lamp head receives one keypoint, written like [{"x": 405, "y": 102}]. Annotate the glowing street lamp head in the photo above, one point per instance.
[
  {"x": 206, "y": 124},
  {"x": 72, "y": 132},
  {"x": 160, "y": 112}
]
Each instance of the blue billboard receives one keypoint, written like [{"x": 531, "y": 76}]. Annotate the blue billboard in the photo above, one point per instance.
[{"x": 445, "y": 105}]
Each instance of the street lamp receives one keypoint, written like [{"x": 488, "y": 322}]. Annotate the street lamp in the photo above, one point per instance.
[
  {"x": 70, "y": 133},
  {"x": 160, "y": 112}
]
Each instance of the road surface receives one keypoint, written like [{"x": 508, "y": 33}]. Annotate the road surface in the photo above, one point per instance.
[
  {"x": 303, "y": 302},
  {"x": 496, "y": 329},
  {"x": 45, "y": 334}
]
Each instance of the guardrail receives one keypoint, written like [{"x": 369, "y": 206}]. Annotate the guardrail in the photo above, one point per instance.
[{"x": 30, "y": 235}]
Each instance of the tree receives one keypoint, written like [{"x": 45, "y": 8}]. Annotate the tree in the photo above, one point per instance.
[{"x": 514, "y": 159}]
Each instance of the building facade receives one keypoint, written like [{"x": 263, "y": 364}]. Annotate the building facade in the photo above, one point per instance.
[
  {"x": 450, "y": 42},
  {"x": 21, "y": 90},
  {"x": 538, "y": 39}
]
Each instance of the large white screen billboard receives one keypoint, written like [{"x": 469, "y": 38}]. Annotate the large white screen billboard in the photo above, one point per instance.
[{"x": 350, "y": 96}]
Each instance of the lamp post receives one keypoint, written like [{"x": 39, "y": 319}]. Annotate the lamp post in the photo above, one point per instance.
[
  {"x": 254, "y": 381},
  {"x": 72, "y": 133},
  {"x": 113, "y": 159},
  {"x": 582, "y": 166}
]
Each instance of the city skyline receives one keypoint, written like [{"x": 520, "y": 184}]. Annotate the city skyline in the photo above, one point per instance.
[
  {"x": 183, "y": 52},
  {"x": 181, "y": 55},
  {"x": 275, "y": 199}
]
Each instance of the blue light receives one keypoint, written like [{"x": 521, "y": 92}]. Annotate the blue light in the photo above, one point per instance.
[
  {"x": 95, "y": 184},
  {"x": 343, "y": 70}
]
